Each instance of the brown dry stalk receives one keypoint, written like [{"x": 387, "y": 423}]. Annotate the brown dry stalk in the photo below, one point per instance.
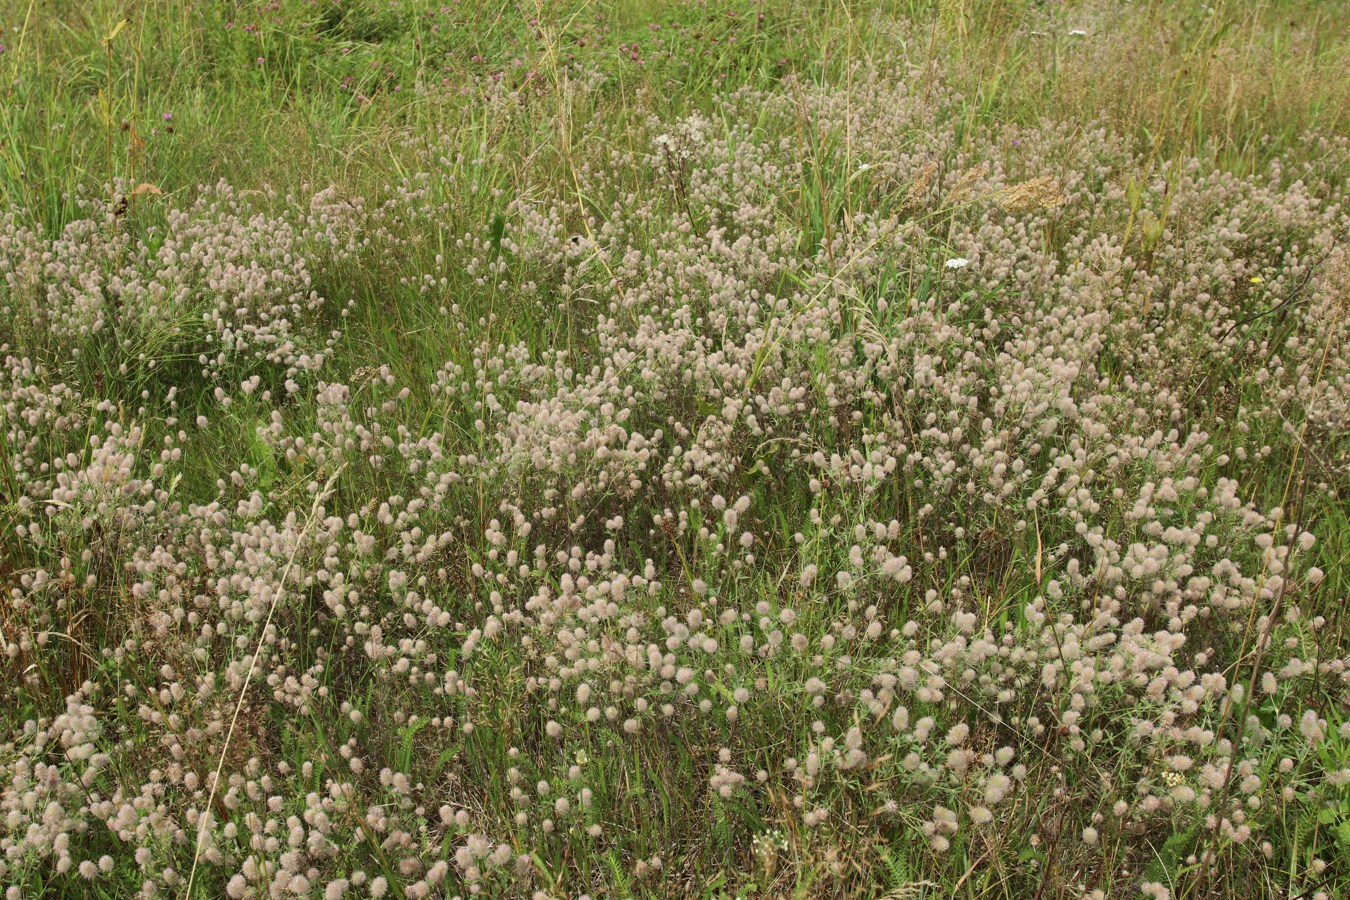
[{"x": 319, "y": 498}]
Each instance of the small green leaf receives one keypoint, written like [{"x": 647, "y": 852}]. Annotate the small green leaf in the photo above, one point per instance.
[{"x": 498, "y": 231}]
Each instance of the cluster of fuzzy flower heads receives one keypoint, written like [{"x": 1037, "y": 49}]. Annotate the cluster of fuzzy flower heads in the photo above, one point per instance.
[{"x": 936, "y": 522}]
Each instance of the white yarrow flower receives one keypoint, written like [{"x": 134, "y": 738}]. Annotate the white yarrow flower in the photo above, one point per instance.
[{"x": 958, "y": 262}]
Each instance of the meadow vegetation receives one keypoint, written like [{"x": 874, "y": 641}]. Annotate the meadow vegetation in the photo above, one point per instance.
[{"x": 705, "y": 448}]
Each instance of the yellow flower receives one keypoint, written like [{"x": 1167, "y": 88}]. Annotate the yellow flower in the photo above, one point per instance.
[{"x": 1257, "y": 279}]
